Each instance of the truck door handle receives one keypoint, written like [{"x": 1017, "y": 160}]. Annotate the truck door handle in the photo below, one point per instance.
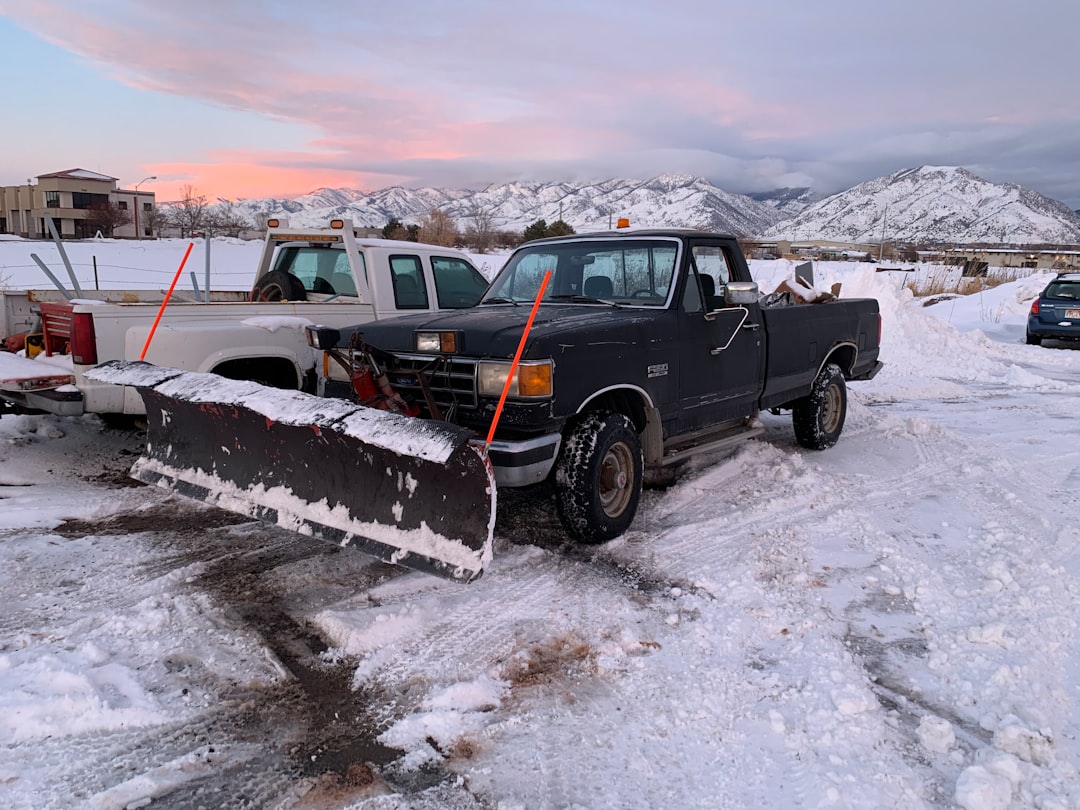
[{"x": 751, "y": 326}]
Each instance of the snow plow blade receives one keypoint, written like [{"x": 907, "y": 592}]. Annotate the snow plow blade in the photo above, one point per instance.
[{"x": 409, "y": 491}]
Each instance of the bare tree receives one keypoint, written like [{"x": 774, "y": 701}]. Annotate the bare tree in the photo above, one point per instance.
[
  {"x": 507, "y": 240},
  {"x": 225, "y": 219},
  {"x": 106, "y": 217},
  {"x": 438, "y": 228},
  {"x": 154, "y": 219},
  {"x": 189, "y": 213},
  {"x": 480, "y": 232}
]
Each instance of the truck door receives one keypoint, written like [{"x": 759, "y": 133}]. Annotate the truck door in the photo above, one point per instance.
[{"x": 721, "y": 353}]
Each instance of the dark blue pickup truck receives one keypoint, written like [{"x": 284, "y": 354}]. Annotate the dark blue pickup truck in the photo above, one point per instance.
[{"x": 649, "y": 346}]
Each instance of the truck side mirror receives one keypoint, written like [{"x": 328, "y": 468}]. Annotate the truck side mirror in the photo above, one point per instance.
[{"x": 740, "y": 292}]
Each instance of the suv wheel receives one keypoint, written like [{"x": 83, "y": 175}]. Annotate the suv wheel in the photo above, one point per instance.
[{"x": 1033, "y": 340}]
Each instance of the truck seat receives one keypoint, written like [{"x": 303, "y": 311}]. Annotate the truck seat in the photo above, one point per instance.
[{"x": 708, "y": 291}]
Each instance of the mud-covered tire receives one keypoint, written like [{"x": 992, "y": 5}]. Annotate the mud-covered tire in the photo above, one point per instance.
[
  {"x": 1032, "y": 340},
  {"x": 818, "y": 418},
  {"x": 598, "y": 478},
  {"x": 278, "y": 286}
]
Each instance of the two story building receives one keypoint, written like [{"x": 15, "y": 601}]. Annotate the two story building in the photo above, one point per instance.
[{"x": 69, "y": 197}]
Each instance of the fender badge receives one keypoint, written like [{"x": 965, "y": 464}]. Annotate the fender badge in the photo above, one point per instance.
[{"x": 659, "y": 370}]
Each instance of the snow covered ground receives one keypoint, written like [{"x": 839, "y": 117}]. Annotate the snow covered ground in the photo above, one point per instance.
[{"x": 892, "y": 623}]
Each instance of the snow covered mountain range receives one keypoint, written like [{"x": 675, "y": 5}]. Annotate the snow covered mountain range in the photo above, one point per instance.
[
  {"x": 930, "y": 203},
  {"x": 934, "y": 203}
]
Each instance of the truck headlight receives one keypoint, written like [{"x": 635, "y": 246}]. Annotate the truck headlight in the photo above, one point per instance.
[
  {"x": 322, "y": 337},
  {"x": 443, "y": 342},
  {"x": 531, "y": 380}
]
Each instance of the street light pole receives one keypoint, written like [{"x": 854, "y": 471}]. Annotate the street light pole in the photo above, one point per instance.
[{"x": 138, "y": 233}]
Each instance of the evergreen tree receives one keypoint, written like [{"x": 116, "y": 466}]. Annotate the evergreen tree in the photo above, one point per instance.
[
  {"x": 538, "y": 230},
  {"x": 393, "y": 229},
  {"x": 541, "y": 230}
]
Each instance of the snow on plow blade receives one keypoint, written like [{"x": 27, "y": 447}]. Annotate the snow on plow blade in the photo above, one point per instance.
[{"x": 408, "y": 491}]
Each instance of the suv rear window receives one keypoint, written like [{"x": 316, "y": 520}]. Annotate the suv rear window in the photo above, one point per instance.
[{"x": 1063, "y": 289}]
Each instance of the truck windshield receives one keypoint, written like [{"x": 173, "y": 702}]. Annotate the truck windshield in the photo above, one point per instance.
[{"x": 608, "y": 271}]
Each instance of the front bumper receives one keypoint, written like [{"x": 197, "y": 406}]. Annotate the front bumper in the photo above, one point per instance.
[{"x": 522, "y": 463}]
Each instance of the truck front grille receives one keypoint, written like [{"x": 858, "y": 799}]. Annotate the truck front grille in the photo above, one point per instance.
[{"x": 451, "y": 380}]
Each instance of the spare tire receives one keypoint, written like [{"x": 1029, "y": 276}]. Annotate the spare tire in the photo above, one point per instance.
[{"x": 278, "y": 285}]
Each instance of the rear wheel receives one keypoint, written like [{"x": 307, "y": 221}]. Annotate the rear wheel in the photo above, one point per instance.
[
  {"x": 598, "y": 478},
  {"x": 1033, "y": 340},
  {"x": 818, "y": 418}
]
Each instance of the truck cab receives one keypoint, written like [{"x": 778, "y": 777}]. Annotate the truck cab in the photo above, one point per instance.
[{"x": 320, "y": 267}]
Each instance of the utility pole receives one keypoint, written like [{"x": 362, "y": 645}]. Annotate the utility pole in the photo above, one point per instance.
[
  {"x": 884, "y": 219},
  {"x": 138, "y": 233}
]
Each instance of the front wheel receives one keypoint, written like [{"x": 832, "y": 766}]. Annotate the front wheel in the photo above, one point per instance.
[
  {"x": 598, "y": 478},
  {"x": 818, "y": 417}
]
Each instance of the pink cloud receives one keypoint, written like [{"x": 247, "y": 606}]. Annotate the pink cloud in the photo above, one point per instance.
[{"x": 251, "y": 179}]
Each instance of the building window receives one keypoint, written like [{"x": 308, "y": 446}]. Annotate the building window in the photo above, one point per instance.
[
  {"x": 52, "y": 199},
  {"x": 122, "y": 205},
  {"x": 84, "y": 200},
  {"x": 148, "y": 207},
  {"x": 3, "y": 224}
]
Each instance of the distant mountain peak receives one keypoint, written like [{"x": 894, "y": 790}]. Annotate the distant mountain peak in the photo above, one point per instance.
[{"x": 934, "y": 204}]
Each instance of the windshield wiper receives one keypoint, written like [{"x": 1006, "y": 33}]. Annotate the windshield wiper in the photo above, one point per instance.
[
  {"x": 498, "y": 300},
  {"x": 583, "y": 299}
]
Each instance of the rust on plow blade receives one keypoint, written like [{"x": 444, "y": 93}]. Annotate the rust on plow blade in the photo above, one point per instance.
[{"x": 409, "y": 491}]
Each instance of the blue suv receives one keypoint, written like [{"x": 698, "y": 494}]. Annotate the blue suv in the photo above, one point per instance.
[{"x": 1056, "y": 312}]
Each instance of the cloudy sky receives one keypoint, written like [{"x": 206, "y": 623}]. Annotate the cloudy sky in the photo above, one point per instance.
[{"x": 244, "y": 99}]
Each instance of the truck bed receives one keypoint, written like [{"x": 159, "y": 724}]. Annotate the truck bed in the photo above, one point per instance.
[{"x": 801, "y": 336}]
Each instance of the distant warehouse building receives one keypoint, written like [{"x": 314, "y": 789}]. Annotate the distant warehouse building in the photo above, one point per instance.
[
  {"x": 976, "y": 260},
  {"x": 77, "y": 200}
]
